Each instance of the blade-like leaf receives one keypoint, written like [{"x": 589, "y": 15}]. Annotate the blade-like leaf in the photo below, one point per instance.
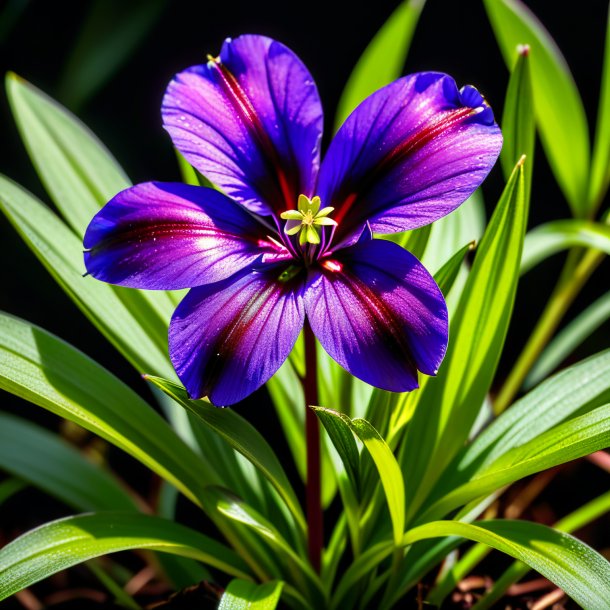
[
  {"x": 563, "y": 126},
  {"x": 383, "y": 60},
  {"x": 389, "y": 473},
  {"x": 449, "y": 404},
  {"x": 339, "y": 428},
  {"x": 557, "y": 235},
  {"x": 42, "y": 369},
  {"x": 243, "y": 437},
  {"x": 49, "y": 463},
  {"x": 244, "y": 595},
  {"x": 568, "y": 339},
  {"x": 566, "y": 561},
  {"x": 566, "y": 442},
  {"x": 579, "y": 518},
  {"x": 76, "y": 169},
  {"x": 61, "y": 544},
  {"x": 518, "y": 123},
  {"x": 600, "y": 163},
  {"x": 60, "y": 251},
  {"x": 577, "y": 390}
]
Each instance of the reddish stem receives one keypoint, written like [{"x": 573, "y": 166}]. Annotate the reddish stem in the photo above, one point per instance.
[{"x": 312, "y": 434}]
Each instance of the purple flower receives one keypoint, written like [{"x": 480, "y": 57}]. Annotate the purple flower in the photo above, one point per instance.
[{"x": 288, "y": 238}]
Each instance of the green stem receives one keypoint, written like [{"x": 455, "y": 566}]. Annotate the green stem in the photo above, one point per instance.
[{"x": 563, "y": 296}]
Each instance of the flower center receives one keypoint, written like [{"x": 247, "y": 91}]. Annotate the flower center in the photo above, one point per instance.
[{"x": 307, "y": 219}]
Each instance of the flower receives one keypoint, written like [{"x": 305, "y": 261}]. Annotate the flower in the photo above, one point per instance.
[{"x": 261, "y": 254}]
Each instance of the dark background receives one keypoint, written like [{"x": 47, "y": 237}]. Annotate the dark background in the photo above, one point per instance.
[{"x": 38, "y": 38}]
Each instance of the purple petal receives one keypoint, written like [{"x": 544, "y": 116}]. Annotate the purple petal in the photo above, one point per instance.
[
  {"x": 170, "y": 236},
  {"x": 227, "y": 339},
  {"x": 378, "y": 312},
  {"x": 251, "y": 121},
  {"x": 409, "y": 154}
]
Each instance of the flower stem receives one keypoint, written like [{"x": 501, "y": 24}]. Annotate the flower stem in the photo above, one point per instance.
[
  {"x": 563, "y": 296},
  {"x": 312, "y": 434}
]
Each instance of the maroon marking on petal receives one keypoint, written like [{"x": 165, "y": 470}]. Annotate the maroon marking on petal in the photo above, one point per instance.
[
  {"x": 247, "y": 112},
  {"x": 382, "y": 318},
  {"x": 411, "y": 145}
]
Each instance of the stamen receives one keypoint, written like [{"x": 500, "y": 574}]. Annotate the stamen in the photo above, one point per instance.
[{"x": 306, "y": 220}]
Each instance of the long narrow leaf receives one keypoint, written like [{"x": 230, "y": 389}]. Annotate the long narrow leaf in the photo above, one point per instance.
[
  {"x": 568, "y": 339},
  {"x": 572, "y": 439},
  {"x": 383, "y": 59},
  {"x": 61, "y": 544},
  {"x": 49, "y": 463},
  {"x": 44, "y": 370},
  {"x": 563, "y": 126},
  {"x": 558, "y": 235},
  {"x": 566, "y": 561},
  {"x": 245, "y": 595},
  {"x": 243, "y": 437},
  {"x": 449, "y": 404},
  {"x": 600, "y": 163}
]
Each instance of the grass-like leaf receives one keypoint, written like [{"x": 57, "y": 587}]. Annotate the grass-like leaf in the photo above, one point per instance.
[
  {"x": 570, "y": 564},
  {"x": 48, "y": 372},
  {"x": 558, "y": 235},
  {"x": 243, "y": 437},
  {"x": 245, "y": 595},
  {"x": 568, "y": 339},
  {"x": 449, "y": 404},
  {"x": 61, "y": 544},
  {"x": 567, "y": 148},
  {"x": 383, "y": 59},
  {"x": 600, "y": 163},
  {"x": 49, "y": 463}
]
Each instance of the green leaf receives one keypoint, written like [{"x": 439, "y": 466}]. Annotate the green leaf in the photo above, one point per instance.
[
  {"x": 49, "y": 463},
  {"x": 80, "y": 175},
  {"x": 414, "y": 241},
  {"x": 454, "y": 398},
  {"x": 568, "y": 339},
  {"x": 518, "y": 123},
  {"x": 42, "y": 369},
  {"x": 574, "y": 391},
  {"x": 445, "y": 277},
  {"x": 10, "y": 487},
  {"x": 60, "y": 251},
  {"x": 566, "y": 561},
  {"x": 244, "y": 595},
  {"x": 600, "y": 163},
  {"x": 76, "y": 169},
  {"x": 558, "y": 235},
  {"x": 383, "y": 60},
  {"x": 579, "y": 518},
  {"x": 109, "y": 35},
  {"x": 567, "y": 147},
  {"x": 339, "y": 428},
  {"x": 563, "y": 443},
  {"x": 243, "y": 437},
  {"x": 61, "y": 544},
  {"x": 235, "y": 509}
]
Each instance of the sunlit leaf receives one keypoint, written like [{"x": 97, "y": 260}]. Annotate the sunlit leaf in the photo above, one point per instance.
[
  {"x": 245, "y": 595},
  {"x": 559, "y": 110},
  {"x": 383, "y": 60},
  {"x": 558, "y": 235},
  {"x": 243, "y": 437},
  {"x": 61, "y": 544},
  {"x": 570, "y": 564},
  {"x": 600, "y": 163},
  {"x": 449, "y": 404},
  {"x": 44, "y": 370}
]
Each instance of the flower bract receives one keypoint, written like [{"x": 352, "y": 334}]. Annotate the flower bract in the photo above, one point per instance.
[{"x": 285, "y": 237}]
